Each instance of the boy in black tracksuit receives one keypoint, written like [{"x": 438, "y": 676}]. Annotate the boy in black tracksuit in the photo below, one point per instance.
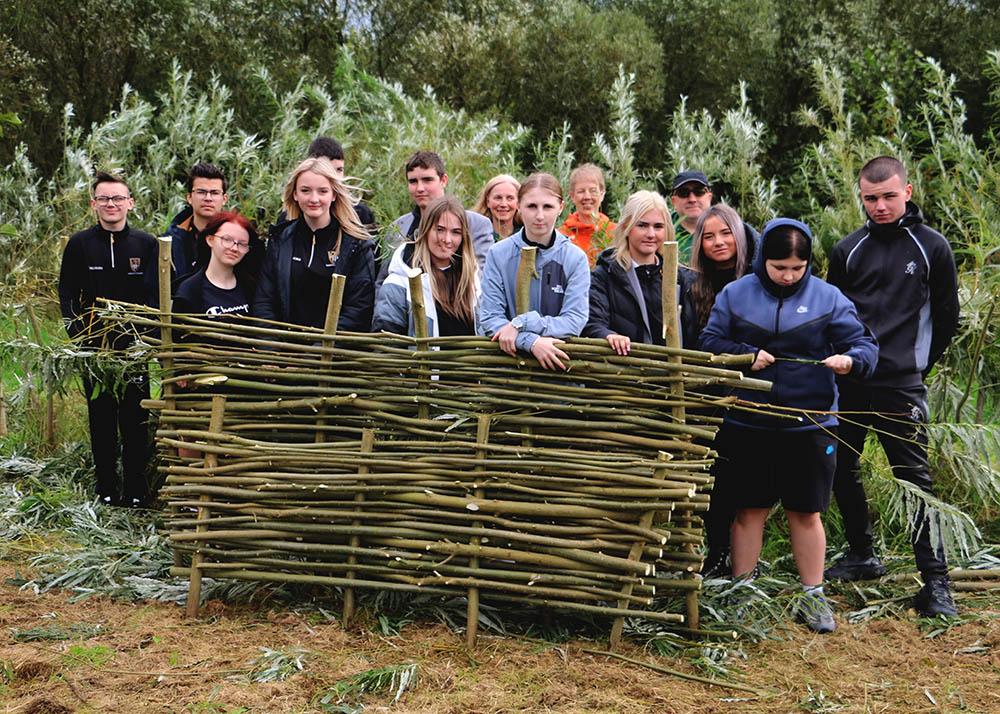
[
  {"x": 901, "y": 276},
  {"x": 109, "y": 261}
]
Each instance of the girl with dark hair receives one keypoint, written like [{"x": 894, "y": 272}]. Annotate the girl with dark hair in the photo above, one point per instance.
[
  {"x": 559, "y": 292},
  {"x": 721, "y": 252},
  {"x": 801, "y": 331},
  {"x": 225, "y": 286},
  {"x": 322, "y": 236},
  {"x": 443, "y": 251}
]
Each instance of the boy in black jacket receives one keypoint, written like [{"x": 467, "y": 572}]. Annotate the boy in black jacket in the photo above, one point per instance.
[
  {"x": 109, "y": 261},
  {"x": 901, "y": 276}
]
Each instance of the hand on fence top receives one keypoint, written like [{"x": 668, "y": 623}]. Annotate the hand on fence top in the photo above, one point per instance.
[
  {"x": 620, "y": 343},
  {"x": 547, "y": 354},
  {"x": 506, "y": 336}
]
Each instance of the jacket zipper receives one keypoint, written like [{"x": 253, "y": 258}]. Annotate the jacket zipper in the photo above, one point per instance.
[
  {"x": 311, "y": 251},
  {"x": 111, "y": 240},
  {"x": 777, "y": 320}
]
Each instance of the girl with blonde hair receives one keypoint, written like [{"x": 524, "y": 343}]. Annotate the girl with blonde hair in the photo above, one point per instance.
[{"x": 321, "y": 236}]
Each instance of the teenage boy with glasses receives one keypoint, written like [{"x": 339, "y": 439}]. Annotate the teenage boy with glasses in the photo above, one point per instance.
[
  {"x": 109, "y": 260},
  {"x": 206, "y": 195}
]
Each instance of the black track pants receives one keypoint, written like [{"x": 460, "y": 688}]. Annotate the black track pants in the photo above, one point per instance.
[
  {"x": 898, "y": 414},
  {"x": 114, "y": 413}
]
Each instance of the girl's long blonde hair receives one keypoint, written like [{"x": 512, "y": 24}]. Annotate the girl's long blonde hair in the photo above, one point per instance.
[
  {"x": 638, "y": 205},
  {"x": 345, "y": 197},
  {"x": 453, "y": 289}
]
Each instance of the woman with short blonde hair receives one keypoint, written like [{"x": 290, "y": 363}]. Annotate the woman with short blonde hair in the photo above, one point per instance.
[{"x": 498, "y": 202}]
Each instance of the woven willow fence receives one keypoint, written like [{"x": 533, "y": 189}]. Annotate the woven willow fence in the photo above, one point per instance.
[{"x": 436, "y": 465}]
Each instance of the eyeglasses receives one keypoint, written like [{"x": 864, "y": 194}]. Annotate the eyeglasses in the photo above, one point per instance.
[
  {"x": 105, "y": 200},
  {"x": 202, "y": 193},
  {"x": 228, "y": 242},
  {"x": 684, "y": 191}
]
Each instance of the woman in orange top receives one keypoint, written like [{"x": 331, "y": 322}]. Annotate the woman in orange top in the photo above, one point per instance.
[{"x": 587, "y": 227}]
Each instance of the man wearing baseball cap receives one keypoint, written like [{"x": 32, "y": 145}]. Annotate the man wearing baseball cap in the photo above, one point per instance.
[{"x": 690, "y": 194}]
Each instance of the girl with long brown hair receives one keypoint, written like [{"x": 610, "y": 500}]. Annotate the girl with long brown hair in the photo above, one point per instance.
[{"x": 443, "y": 251}]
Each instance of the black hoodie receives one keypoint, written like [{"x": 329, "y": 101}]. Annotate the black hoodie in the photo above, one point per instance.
[{"x": 901, "y": 277}]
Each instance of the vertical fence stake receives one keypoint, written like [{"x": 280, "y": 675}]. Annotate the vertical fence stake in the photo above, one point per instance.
[
  {"x": 672, "y": 338},
  {"x": 525, "y": 272},
  {"x": 164, "y": 246},
  {"x": 635, "y": 553},
  {"x": 210, "y": 461},
  {"x": 367, "y": 443},
  {"x": 472, "y": 615},
  {"x": 419, "y": 311},
  {"x": 333, "y": 305}
]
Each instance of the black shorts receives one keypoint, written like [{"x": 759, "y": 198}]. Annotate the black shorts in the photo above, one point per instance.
[{"x": 764, "y": 466}]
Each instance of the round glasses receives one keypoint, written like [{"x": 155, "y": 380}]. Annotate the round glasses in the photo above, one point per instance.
[{"x": 228, "y": 242}]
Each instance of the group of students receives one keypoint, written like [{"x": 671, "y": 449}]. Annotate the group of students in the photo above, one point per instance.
[{"x": 742, "y": 293}]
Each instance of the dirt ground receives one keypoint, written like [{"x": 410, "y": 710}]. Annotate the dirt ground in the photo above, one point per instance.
[{"x": 146, "y": 657}]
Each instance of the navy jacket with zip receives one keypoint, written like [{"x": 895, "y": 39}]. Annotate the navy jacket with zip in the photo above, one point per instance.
[
  {"x": 808, "y": 320},
  {"x": 356, "y": 262},
  {"x": 617, "y": 306}
]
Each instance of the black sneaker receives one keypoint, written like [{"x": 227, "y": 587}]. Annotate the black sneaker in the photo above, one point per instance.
[
  {"x": 716, "y": 566},
  {"x": 934, "y": 599},
  {"x": 814, "y": 612},
  {"x": 855, "y": 567}
]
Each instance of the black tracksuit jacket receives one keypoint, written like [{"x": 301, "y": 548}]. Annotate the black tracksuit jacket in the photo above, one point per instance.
[
  {"x": 100, "y": 264},
  {"x": 901, "y": 277}
]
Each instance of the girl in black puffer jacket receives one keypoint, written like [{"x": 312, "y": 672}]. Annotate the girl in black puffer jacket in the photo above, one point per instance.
[
  {"x": 625, "y": 287},
  {"x": 323, "y": 236}
]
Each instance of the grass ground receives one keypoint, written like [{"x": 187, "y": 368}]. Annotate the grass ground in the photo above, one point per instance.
[{"x": 109, "y": 656}]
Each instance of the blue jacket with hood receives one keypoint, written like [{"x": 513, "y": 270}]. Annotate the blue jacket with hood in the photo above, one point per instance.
[{"x": 808, "y": 320}]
